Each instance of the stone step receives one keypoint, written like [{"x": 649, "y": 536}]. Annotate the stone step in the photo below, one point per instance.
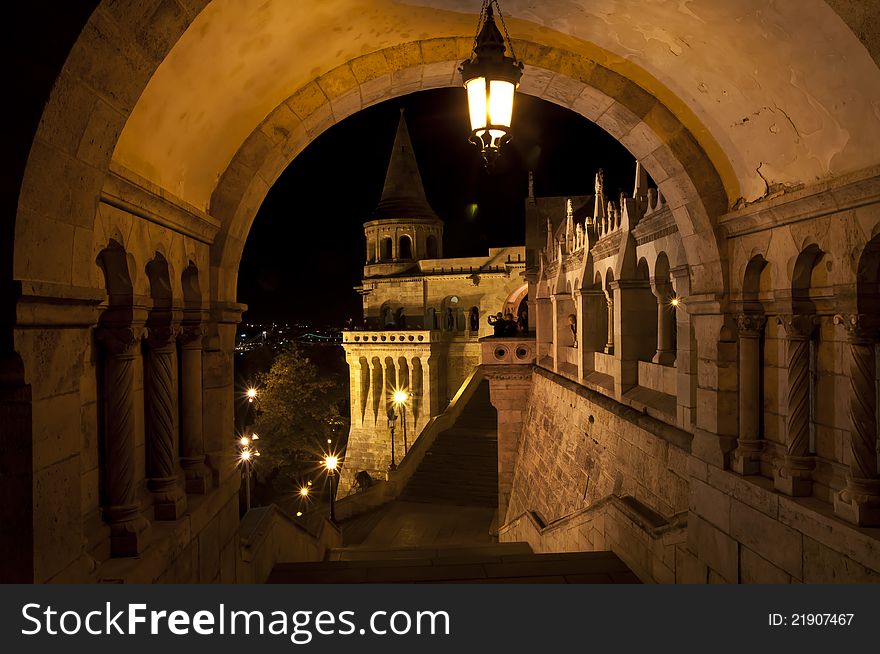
[{"x": 455, "y": 565}]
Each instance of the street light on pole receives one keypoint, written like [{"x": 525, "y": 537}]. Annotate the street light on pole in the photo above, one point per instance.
[
  {"x": 247, "y": 453},
  {"x": 331, "y": 462},
  {"x": 400, "y": 397},
  {"x": 392, "y": 418}
]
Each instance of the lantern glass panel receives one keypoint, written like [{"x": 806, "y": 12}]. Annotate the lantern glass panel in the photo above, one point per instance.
[
  {"x": 500, "y": 102},
  {"x": 476, "y": 90}
]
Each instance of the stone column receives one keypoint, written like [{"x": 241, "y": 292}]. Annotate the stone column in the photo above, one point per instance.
[
  {"x": 609, "y": 343},
  {"x": 859, "y": 502},
  {"x": 509, "y": 393},
  {"x": 685, "y": 351},
  {"x": 128, "y": 528},
  {"x": 746, "y": 459},
  {"x": 665, "y": 354},
  {"x": 196, "y": 473},
  {"x": 543, "y": 322},
  {"x": 794, "y": 476},
  {"x": 169, "y": 501}
]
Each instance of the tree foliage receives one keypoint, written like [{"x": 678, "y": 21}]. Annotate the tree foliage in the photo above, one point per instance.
[{"x": 297, "y": 411}]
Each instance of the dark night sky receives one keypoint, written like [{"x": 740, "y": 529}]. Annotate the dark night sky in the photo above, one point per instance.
[{"x": 305, "y": 250}]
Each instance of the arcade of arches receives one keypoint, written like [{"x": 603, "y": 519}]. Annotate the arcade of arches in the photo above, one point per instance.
[{"x": 739, "y": 444}]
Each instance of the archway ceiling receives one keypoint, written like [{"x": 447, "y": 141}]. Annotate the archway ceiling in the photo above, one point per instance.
[{"x": 775, "y": 93}]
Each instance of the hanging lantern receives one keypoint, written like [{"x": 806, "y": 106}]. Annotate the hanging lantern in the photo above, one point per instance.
[{"x": 491, "y": 78}]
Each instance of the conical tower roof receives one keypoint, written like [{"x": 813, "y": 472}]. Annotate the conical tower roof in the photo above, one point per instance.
[{"x": 403, "y": 195}]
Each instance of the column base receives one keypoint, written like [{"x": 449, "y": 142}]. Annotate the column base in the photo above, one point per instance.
[
  {"x": 664, "y": 357},
  {"x": 859, "y": 502},
  {"x": 746, "y": 458},
  {"x": 169, "y": 501},
  {"x": 197, "y": 476},
  {"x": 129, "y": 530},
  {"x": 795, "y": 476},
  {"x": 608, "y": 349}
]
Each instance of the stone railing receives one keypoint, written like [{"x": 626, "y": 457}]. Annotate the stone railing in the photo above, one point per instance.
[
  {"x": 386, "y": 490},
  {"x": 270, "y": 536},
  {"x": 396, "y": 336},
  {"x": 608, "y": 525},
  {"x": 508, "y": 350}
]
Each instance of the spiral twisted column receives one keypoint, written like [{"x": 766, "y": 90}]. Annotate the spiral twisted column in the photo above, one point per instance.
[
  {"x": 746, "y": 459},
  {"x": 859, "y": 502},
  {"x": 196, "y": 474},
  {"x": 128, "y": 528},
  {"x": 794, "y": 475},
  {"x": 169, "y": 501}
]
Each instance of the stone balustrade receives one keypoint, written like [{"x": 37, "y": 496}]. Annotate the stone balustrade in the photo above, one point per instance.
[
  {"x": 504, "y": 350},
  {"x": 396, "y": 336}
]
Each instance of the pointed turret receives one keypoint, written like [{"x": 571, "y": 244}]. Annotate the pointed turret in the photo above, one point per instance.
[
  {"x": 404, "y": 228},
  {"x": 403, "y": 195}
]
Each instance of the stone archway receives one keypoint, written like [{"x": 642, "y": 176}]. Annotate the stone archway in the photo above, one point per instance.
[
  {"x": 656, "y": 137},
  {"x": 84, "y": 182}
]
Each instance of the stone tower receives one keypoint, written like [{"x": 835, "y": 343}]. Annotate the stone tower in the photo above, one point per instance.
[
  {"x": 404, "y": 227},
  {"x": 423, "y": 316}
]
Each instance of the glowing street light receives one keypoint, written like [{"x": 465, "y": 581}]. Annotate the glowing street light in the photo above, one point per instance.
[
  {"x": 674, "y": 302},
  {"x": 331, "y": 463},
  {"x": 400, "y": 398},
  {"x": 251, "y": 394},
  {"x": 304, "y": 492},
  {"x": 247, "y": 454}
]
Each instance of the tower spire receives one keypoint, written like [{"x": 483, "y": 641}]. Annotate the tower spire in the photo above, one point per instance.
[{"x": 403, "y": 195}]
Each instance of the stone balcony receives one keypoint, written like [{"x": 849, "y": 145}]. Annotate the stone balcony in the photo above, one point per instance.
[
  {"x": 389, "y": 336},
  {"x": 508, "y": 350}
]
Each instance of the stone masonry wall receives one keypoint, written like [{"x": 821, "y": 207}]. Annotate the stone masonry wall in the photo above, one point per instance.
[{"x": 578, "y": 447}]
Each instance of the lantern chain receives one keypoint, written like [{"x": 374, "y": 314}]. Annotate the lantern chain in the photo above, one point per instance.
[
  {"x": 480, "y": 22},
  {"x": 504, "y": 27}
]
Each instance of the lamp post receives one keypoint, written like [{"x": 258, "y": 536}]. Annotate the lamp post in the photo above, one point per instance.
[
  {"x": 330, "y": 464},
  {"x": 247, "y": 452},
  {"x": 490, "y": 78},
  {"x": 392, "y": 418},
  {"x": 400, "y": 398}
]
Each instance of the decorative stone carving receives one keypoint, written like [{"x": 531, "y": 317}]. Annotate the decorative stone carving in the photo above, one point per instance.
[
  {"x": 859, "y": 502},
  {"x": 794, "y": 476},
  {"x": 746, "y": 459},
  {"x": 751, "y": 325},
  {"x": 128, "y": 528},
  {"x": 161, "y": 403}
]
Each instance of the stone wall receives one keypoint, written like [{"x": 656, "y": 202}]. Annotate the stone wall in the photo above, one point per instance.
[
  {"x": 627, "y": 483},
  {"x": 578, "y": 447}
]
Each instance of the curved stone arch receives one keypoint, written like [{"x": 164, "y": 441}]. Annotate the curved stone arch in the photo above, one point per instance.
[
  {"x": 648, "y": 129},
  {"x": 513, "y": 300}
]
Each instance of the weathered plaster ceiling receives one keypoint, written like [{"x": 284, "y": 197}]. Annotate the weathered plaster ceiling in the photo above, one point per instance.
[{"x": 776, "y": 92}]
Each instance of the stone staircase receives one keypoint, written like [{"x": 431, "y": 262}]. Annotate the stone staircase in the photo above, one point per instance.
[
  {"x": 490, "y": 564},
  {"x": 438, "y": 529},
  {"x": 461, "y": 466}
]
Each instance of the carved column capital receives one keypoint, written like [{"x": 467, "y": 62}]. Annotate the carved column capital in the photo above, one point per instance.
[
  {"x": 751, "y": 324},
  {"x": 160, "y": 336},
  {"x": 119, "y": 340},
  {"x": 191, "y": 335},
  {"x": 798, "y": 326},
  {"x": 860, "y": 327}
]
